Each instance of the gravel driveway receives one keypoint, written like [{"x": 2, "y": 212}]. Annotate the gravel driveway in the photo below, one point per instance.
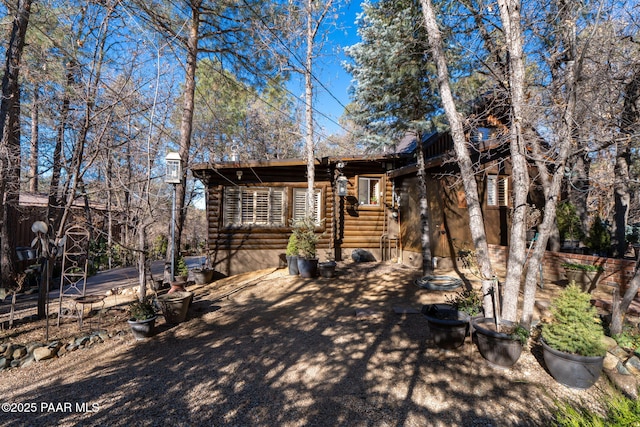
[{"x": 267, "y": 349}]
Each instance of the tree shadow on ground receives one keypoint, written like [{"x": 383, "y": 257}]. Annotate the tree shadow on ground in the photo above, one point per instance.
[{"x": 289, "y": 351}]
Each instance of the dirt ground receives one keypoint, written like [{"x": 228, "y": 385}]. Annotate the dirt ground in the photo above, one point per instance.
[{"x": 266, "y": 349}]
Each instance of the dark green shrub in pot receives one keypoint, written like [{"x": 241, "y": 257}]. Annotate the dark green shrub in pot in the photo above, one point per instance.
[
  {"x": 573, "y": 341},
  {"x": 575, "y": 326}
]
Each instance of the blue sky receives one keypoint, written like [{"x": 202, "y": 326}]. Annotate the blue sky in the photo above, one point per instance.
[{"x": 328, "y": 69}]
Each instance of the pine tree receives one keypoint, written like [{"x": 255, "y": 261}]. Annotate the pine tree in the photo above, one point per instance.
[
  {"x": 575, "y": 327},
  {"x": 392, "y": 71}
]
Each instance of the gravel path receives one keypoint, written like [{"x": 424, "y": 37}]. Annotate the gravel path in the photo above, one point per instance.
[{"x": 267, "y": 349}]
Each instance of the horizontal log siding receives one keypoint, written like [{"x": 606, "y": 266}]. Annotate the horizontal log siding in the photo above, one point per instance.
[{"x": 365, "y": 229}]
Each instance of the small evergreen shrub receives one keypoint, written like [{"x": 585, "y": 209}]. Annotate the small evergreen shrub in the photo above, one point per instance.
[
  {"x": 181, "y": 267},
  {"x": 304, "y": 231},
  {"x": 292, "y": 246},
  {"x": 575, "y": 326}
]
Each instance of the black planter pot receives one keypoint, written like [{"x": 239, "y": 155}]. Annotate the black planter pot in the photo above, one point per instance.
[
  {"x": 308, "y": 268},
  {"x": 448, "y": 326},
  {"x": 496, "y": 347},
  {"x": 327, "y": 269},
  {"x": 292, "y": 262},
  {"x": 572, "y": 370},
  {"x": 142, "y": 329}
]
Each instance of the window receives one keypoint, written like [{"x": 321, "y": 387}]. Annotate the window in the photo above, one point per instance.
[
  {"x": 300, "y": 204},
  {"x": 369, "y": 192},
  {"x": 254, "y": 206},
  {"x": 497, "y": 190}
]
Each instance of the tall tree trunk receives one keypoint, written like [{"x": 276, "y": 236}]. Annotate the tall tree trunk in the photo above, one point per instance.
[
  {"x": 54, "y": 204},
  {"x": 476, "y": 219},
  {"x": 10, "y": 143},
  {"x": 186, "y": 125},
  {"x": 629, "y": 125},
  {"x": 566, "y": 140},
  {"x": 427, "y": 259},
  {"x": 510, "y": 16},
  {"x": 308, "y": 96},
  {"x": 33, "y": 147}
]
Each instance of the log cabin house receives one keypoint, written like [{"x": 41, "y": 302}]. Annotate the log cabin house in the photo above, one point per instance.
[{"x": 250, "y": 204}]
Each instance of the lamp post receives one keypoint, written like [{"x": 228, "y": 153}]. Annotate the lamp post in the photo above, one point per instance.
[{"x": 173, "y": 176}]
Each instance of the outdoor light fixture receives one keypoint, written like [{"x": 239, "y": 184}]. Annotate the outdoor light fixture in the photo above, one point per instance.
[
  {"x": 341, "y": 184},
  {"x": 239, "y": 175},
  {"x": 174, "y": 168},
  {"x": 173, "y": 176}
]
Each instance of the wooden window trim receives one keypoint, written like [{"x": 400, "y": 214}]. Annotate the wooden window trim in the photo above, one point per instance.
[{"x": 382, "y": 188}]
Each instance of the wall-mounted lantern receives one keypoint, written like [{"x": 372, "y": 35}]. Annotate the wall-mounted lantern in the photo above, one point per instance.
[
  {"x": 341, "y": 184},
  {"x": 174, "y": 168}
]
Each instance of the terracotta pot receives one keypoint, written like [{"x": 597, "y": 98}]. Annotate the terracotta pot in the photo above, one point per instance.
[{"x": 178, "y": 286}]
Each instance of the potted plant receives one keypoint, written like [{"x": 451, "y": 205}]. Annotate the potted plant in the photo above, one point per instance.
[
  {"x": 573, "y": 341},
  {"x": 448, "y": 325},
  {"x": 327, "y": 269},
  {"x": 307, "y": 239},
  {"x": 142, "y": 318},
  {"x": 467, "y": 301},
  {"x": 292, "y": 255},
  {"x": 175, "y": 306},
  {"x": 182, "y": 270},
  {"x": 203, "y": 274},
  {"x": 499, "y": 342},
  {"x": 585, "y": 275}
]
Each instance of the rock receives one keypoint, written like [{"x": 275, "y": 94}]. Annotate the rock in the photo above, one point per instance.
[
  {"x": 633, "y": 365},
  {"x": 43, "y": 353},
  {"x": 361, "y": 255},
  {"x": 3, "y": 362},
  {"x": 104, "y": 335},
  {"x": 619, "y": 352},
  {"x": 610, "y": 361},
  {"x": 27, "y": 361},
  {"x": 19, "y": 353},
  {"x": 62, "y": 351},
  {"x": 32, "y": 346},
  {"x": 8, "y": 351},
  {"x": 610, "y": 343},
  {"x": 627, "y": 384},
  {"x": 621, "y": 369},
  {"x": 80, "y": 341}
]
